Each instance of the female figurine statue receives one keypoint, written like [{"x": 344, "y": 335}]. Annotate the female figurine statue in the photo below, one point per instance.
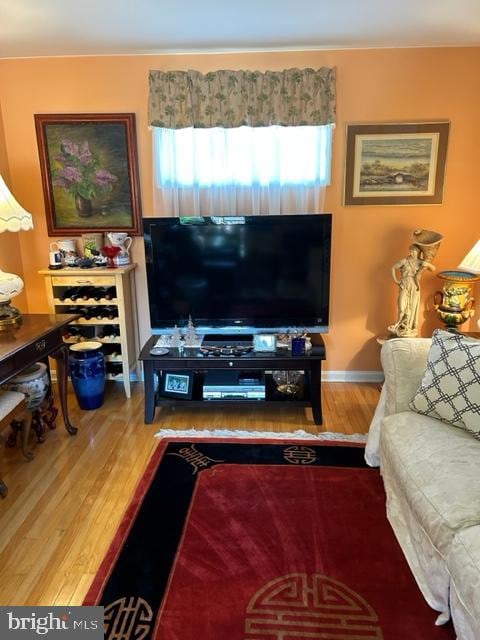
[{"x": 408, "y": 303}]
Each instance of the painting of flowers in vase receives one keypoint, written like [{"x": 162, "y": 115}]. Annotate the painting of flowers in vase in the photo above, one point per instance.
[{"x": 89, "y": 172}]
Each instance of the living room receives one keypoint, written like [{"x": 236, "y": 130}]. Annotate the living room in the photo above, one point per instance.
[{"x": 64, "y": 507}]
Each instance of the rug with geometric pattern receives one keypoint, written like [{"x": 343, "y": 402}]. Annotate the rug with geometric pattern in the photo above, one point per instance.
[{"x": 238, "y": 540}]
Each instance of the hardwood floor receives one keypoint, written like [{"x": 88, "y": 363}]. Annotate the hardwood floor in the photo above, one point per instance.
[{"x": 64, "y": 506}]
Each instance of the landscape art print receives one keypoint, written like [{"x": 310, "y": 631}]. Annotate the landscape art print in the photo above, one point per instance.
[
  {"x": 395, "y": 163},
  {"x": 89, "y": 172}
]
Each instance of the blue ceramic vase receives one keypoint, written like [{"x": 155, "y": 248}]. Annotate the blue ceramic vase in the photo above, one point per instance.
[{"x": 87, "y": 371}]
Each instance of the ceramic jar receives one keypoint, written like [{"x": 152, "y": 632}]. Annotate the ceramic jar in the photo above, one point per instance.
[
  {"x": 87, "y": 372},
  {"x": 34, "y": 382}
]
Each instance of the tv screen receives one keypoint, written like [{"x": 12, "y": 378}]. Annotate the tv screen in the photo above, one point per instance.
[{"x": 243, "y": 274}]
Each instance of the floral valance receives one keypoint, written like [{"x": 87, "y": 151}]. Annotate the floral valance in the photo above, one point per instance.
[{"x": 180, "y": 99}]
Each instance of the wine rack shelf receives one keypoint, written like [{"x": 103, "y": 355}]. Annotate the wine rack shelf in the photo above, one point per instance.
[
  {"x": 92, "y": 321},
  {"x": 103, "y": 302},
  {"x": 107, "y": 301}
]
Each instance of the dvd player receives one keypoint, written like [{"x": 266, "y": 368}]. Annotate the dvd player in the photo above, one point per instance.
[
  {"x": 233, "y": 385},
  {"x": 226, "y": 392}
]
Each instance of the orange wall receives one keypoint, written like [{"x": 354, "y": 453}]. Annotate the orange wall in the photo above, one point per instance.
[
  {"x": 389, "y": 85},
  {"x": 10, "y": 256}
]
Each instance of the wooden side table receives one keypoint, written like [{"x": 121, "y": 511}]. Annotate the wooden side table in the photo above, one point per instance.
[{"x": 38, "y": 336}]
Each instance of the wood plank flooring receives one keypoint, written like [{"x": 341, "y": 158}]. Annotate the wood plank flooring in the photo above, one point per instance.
[{"x": 64, "y": 506}]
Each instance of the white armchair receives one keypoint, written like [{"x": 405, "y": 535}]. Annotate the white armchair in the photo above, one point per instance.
[{"x": 404, "y": 361}]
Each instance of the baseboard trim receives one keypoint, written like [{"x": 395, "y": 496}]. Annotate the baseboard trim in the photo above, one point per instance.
[{"x": 352, "y": 376}]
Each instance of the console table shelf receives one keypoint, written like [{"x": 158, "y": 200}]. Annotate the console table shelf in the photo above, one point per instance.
[{"x": 191, "y": 360}]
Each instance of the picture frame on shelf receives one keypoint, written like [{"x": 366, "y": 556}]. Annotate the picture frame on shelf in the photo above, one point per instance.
[
  {"x": 265, "y": 342},
  {"x": 89, "y": 168},
  {"x": 388, "y": 164},
  {"x": 176, "y": 385}
]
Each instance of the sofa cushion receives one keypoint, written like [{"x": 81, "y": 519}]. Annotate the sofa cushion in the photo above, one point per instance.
[
  {"x": 438, "y": 467},
  {"x": 450, "y": 389}
]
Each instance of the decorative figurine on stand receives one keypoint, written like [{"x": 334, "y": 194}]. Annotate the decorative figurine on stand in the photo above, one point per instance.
[
  {"x": 411, "y": 269},
  {"x": 191, "y": 337},
  {"x": 176, "y": 339}
]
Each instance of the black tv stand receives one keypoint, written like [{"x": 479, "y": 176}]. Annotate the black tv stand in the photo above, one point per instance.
[
  {"x": 193, "y": 362},
  {"x": 217, "y": 339}
]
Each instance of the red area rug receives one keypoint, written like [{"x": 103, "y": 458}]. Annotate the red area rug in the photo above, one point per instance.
[{"x": 228, "y": 541}]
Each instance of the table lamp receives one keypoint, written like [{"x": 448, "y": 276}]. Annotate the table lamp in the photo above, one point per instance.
[
  {"x": 471, "y": 263},
  {"x": 455, "y": 304},
  {"x": 13, "y": 217}
]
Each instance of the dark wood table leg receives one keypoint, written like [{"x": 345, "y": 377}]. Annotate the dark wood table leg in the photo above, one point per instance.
[
  {"x": 316, "y": 391},
  {"x": 26, "y": 425},
  {"x": 149, "y": 383},
  {"x": 61, "y": 357}
]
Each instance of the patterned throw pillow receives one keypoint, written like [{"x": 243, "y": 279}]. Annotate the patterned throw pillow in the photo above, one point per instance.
[{"x": 450, "y": 389}]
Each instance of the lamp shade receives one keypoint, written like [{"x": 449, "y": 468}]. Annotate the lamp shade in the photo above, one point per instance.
[
  {"x": 471, "y": 262},
  {"x": 13, "y": 216}
]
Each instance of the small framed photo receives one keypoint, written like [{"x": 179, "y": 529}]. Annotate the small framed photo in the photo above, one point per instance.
[
  {"x": 174, "y": 384},
  {"x": 265, "y": 342}
]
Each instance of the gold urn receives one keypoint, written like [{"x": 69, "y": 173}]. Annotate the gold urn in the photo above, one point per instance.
[{"x": 455, "y": 304}]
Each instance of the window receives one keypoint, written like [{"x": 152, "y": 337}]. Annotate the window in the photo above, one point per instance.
[{"x": 241, "y": 170}]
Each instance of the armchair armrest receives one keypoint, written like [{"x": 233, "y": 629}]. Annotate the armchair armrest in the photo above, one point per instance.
[{"x": 404, "y": 361}]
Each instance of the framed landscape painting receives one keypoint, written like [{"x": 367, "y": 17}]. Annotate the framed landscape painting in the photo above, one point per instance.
[
  {"x": 395, "y": 163},
  {"x": 89, "y": 172}
]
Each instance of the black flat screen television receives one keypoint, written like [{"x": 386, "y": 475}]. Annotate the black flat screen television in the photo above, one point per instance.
[{"x": 235, "y": 275}]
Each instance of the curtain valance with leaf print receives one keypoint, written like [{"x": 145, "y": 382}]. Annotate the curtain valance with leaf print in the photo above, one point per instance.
[{"x": 291, "y": 97}]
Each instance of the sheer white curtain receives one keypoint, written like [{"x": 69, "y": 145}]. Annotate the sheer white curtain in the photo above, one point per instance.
[{"x": 240, "y": 171}]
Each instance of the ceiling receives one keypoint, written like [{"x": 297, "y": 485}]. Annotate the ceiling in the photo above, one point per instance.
[{"x": 30, "y": 28}]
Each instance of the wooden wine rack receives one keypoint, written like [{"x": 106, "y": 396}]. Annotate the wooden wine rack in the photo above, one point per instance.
[{"x": 126, "y": 343}]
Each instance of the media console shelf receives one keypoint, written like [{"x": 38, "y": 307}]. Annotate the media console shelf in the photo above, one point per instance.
[{"x": 191, "y": 360}]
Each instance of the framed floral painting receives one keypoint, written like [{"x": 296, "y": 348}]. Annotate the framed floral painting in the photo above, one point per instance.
[{"x": 89, "y": 172}]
